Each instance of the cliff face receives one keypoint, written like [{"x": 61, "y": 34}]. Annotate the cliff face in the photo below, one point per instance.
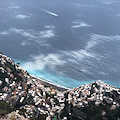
[{"x": 22, "y": 94}]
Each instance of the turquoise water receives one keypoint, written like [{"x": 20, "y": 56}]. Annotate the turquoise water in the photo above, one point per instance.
[
  {"x": 59, "y": 80},
  {"x": 46, "y": 75}
]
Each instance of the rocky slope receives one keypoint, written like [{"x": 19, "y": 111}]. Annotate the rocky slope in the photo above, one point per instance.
[
  {"x": 24, "y": 97},
  {"x": 26, "y": 94},
  {"x": 94, "y": 101}
]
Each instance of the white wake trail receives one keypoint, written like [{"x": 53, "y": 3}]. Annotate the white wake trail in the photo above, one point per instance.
[
  {"x": 46, "y": 11},
  {"x": 49, "y": 12}
]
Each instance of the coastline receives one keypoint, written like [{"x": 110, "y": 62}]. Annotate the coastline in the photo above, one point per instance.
[
  {"x": 50, "y": 84},
  {"x": 44, "y": 81}
]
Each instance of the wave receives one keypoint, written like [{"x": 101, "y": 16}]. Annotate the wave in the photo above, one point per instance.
[
  {"x": 108, "y": 2},
  {"x": 79, "y": 24},
  {"x": 84, "y": 5},
  {"x": 4, "y": 33},
  {"x": 21, "y": 16},
  {"x": 32, "y": 35}
]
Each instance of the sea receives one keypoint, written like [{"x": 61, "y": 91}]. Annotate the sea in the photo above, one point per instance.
[{"x": 67, "y": 42}]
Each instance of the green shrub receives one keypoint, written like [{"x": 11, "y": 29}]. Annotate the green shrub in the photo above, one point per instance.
[{"x": 4, "y": 108}]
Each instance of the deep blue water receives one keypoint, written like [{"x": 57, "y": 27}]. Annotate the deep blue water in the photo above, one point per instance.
[{"x": 64, "y": 41}]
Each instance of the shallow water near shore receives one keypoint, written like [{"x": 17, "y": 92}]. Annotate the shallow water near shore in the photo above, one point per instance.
[{"x": 59, "y": 80}]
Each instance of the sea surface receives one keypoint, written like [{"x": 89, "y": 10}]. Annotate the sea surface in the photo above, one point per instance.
[{"x": 67, "y": 42}]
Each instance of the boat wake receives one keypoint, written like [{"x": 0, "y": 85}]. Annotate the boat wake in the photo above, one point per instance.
[{"x": 49, "y": 12}]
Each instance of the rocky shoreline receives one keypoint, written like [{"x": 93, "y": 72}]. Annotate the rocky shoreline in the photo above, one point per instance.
[{"x": 50, "y": 84}]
